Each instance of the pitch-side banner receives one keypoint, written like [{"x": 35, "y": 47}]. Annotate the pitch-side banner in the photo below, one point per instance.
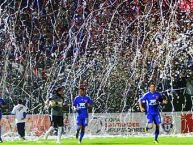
[
  {"x": 103, "y": 124},
  {"x": 131, "y": 124}
]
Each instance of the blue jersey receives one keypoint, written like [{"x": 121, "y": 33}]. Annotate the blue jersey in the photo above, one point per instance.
[
  {"x": 80, "y": 102},
  {"x": 152, "y": 102},
  {"x": 2, "y": 102}
]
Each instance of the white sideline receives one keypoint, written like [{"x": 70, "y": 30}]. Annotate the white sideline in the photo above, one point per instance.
[{"x": 35, "y": 138}]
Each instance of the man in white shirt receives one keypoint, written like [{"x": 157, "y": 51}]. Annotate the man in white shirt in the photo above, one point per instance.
[{"x": 20, "y": 112}]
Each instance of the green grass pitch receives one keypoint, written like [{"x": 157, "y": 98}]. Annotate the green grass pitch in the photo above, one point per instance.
[{"x": 109, "y": 141}]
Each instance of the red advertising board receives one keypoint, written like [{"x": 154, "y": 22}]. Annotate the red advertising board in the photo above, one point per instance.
[
  {"x": 186, "y": 123},
  {"x": 35, "y": 124}
]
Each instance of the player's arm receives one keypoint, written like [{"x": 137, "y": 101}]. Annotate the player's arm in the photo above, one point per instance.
[
  {"x": 141, "y": 100},
  {"x": 24, "y": 113},
  {"x": 50, "y": 103},
  {"x": 65, "y": 106},
  {"x": 3, "y": 105},
  {"x": 142, "y": 109},
  {"x": 89, "y": 107},
  {"x": 162, "y": 100},
  {"x": 74, "y": 107},
  {"x": 47, "y": 103},
  {"x": 89, "y": 104},
  {"x": 13, "y": 112}
]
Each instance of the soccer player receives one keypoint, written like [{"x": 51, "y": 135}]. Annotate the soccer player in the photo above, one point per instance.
[
  {"x": 56, "y": 103},
  {"x": 152, "y": 99},
  {"x": 20, "y": 112},
  {"x": 81, "y": 105},
  {"x": 2, "y": 105}
]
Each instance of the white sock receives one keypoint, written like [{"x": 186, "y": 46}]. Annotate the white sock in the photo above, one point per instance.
[
  {"x": 59, "y": 134},
  {"x": 48, "y": 132}
]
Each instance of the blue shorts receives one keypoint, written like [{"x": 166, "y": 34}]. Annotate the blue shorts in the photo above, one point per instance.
[
  {"x": 81, "y": 121},
  {"x": 153, "y": 118},
  {"x": 1, "y": 115}
]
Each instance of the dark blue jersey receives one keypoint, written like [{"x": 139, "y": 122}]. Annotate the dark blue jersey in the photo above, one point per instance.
[{"x": 2, "y": 102}]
